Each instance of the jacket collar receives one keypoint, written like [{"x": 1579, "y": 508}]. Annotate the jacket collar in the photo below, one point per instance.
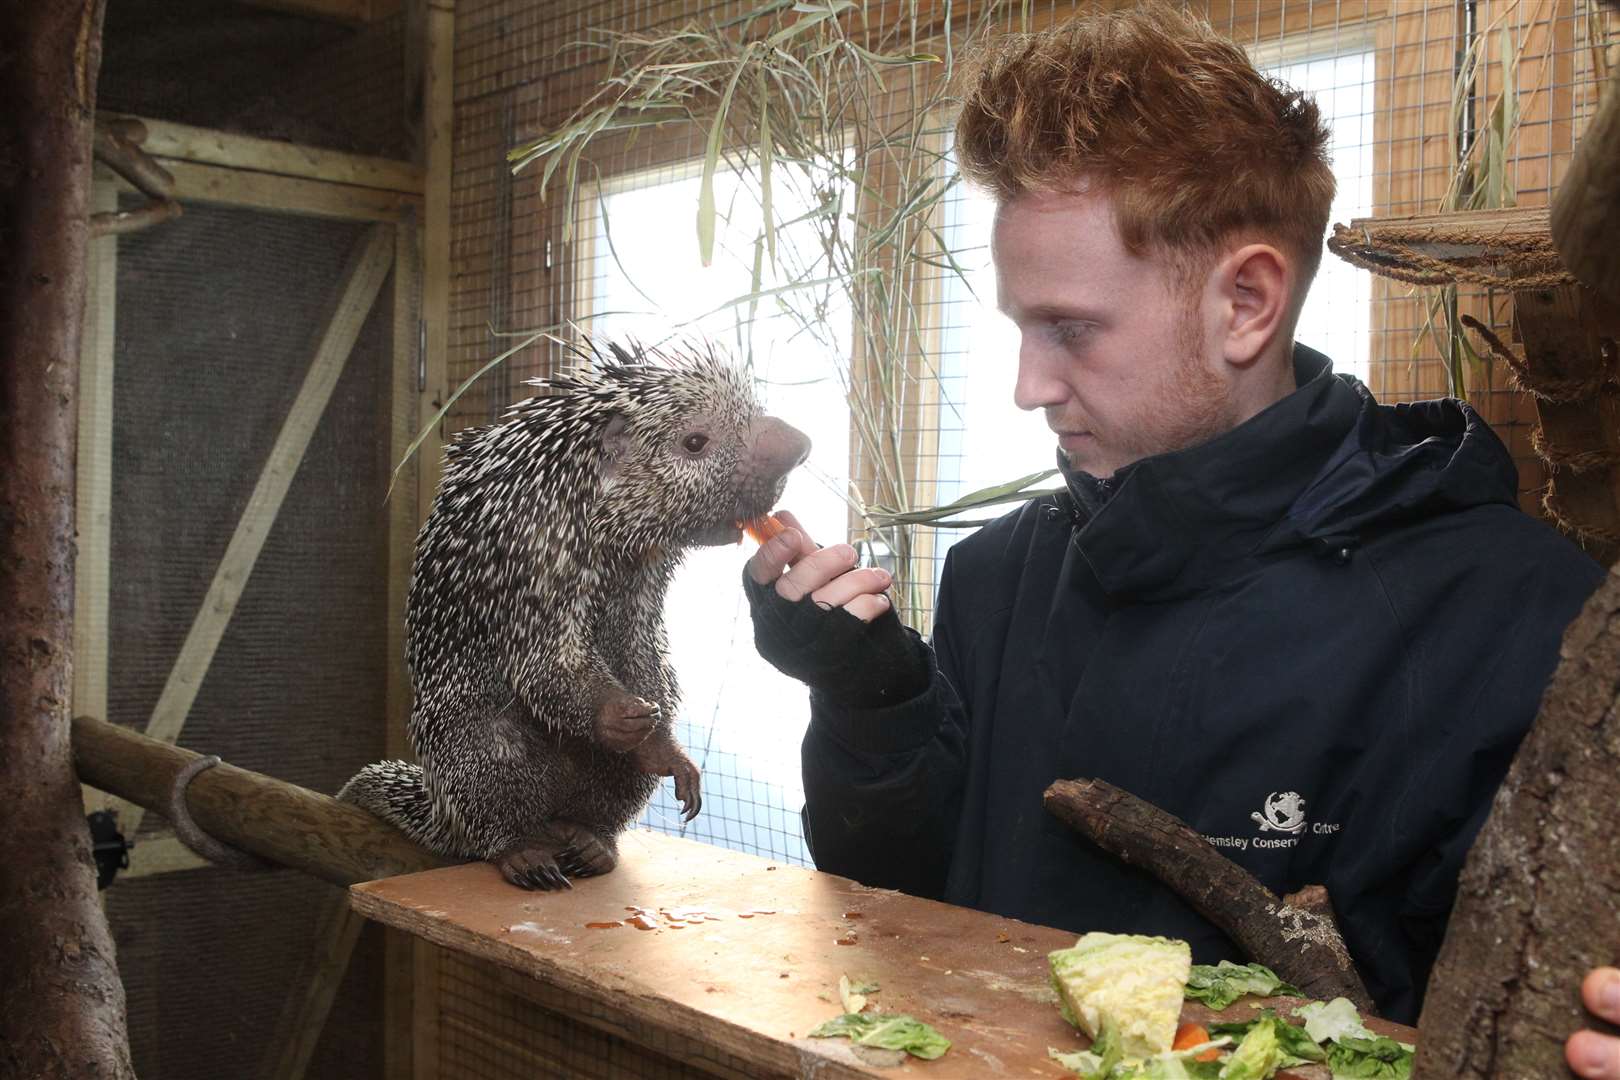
[{"x": 1175, "y": 521}]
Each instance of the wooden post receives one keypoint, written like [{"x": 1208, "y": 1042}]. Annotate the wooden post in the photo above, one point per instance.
[
  {"x": 1586, "y": 211},
  {"x": 61, "y": 1002}
]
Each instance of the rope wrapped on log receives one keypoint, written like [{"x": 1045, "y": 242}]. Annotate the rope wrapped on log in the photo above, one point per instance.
[{"x": 1492, "y": 259}]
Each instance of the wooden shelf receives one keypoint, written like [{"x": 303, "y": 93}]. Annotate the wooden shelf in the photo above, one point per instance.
[{"x": 759, "y": 967}]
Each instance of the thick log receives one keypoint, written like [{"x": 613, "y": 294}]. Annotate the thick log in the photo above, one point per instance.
[
  {"x": 61, "y": 1002},
  {"x": 1538, "y": 902},
  {"x": 1585, "y": 217},
  {"x": 1301, "y": 944},
  {"x": 271, "y": 818}
]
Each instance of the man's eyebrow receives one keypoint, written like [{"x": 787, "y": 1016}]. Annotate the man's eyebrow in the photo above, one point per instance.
[{"x": 1055, "y": 310}]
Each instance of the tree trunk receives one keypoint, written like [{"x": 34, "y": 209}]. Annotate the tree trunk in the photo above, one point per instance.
[
  {"x": 1538, "y": 903},
  {"x": 61, "y": 1003}
]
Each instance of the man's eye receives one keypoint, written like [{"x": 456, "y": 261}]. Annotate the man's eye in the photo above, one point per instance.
[
  {"x": 695, "y": 443},
  {"x": 1068, "y": 333}
]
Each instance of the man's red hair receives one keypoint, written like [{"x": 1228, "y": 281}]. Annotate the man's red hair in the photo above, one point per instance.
[{"x": 1194, "y": 146}]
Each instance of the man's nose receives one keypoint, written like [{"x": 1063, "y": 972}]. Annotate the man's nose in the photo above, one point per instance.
[{"x": 1039, "y": 385}]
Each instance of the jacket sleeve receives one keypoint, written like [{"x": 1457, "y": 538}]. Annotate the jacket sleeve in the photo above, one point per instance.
[{"x": 883, "y": 786}]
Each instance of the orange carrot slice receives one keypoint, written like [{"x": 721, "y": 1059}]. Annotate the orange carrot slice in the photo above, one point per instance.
[
  {"x": 1191, "y": 1035},
  {"x": 761, "y": 529}
]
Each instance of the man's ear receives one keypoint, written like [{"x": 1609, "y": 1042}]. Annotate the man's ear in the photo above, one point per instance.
[
  {"x": 615, "y": 445},
  {"x": 1254, "y": 290}
]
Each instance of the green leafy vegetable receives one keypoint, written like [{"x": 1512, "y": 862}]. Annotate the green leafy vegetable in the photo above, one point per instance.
[
  {"x": 1221, "y": 984},
  {"x": 1296, "y": 1044},
  {"x": 1377, "y": 1058},
  {"x": 1256, "y": 1057},
  {"x": 1334, "y": 1019},
  {"x": 890, "y": 1031},
  {"x": 1129, "y": 981},
  {"x": 1096, "y": 1062}
]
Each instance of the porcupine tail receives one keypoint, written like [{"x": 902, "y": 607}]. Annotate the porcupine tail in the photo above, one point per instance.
[{"x": 395, "y": 792}]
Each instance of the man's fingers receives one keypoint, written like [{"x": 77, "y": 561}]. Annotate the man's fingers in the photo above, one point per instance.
[
  {"x": 1594, "y": 1056},
  {"x": 778, "y": 553},
  {"x": 788, "y": 518},
  {"x": 868, "y": 606},
  {"x": 1601, "y": 992},
  {"x": 846, "y": 587},
  {"x": 814, "y": 570}
]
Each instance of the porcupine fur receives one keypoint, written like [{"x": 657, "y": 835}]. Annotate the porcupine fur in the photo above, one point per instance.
[{"x": 535, "y": 610}]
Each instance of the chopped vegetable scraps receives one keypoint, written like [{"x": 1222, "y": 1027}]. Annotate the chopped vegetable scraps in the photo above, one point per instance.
[
  {"x": 1221, "y": 984},
  {"x": 1190, "y": 1036},
  {"x": 890, "y": 1031},
  {"x": 1379, "y": 1058},
  {"x": 1131, "y": 982},
  {"x": 853, "y": 994},
  {"x": 1333, "y": 1020}
]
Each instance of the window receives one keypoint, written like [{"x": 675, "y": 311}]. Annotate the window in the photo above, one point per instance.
[{"x": 740, "y": 720}]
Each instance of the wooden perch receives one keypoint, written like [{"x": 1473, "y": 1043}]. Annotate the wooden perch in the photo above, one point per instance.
[
  {"x": 1585, "y": 217},
  {"x": 117, "y": 146},
  {"x": 1300, "y": 943},
  {"x": 275, "y": 820}
]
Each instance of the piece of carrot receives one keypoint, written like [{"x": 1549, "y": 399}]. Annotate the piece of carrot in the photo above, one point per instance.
[
  {"x": 761, "y": 529},
  {"x": 1191, "y": 1035}
]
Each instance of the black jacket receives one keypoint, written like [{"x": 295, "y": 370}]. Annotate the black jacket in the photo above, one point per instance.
[{"x": 1317, "y": 639}]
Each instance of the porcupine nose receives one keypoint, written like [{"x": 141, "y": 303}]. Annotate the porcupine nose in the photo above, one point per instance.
[{"x": 778, "y": 448}]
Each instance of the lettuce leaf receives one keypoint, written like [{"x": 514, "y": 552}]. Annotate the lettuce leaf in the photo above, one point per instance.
[
  {"x": 1256, "y": 1057},
  {"x": 1096, "y": 1062},
  {"x": 1295, "y": 1043},
  {"x": 1221, "y": 984},
  {"x": 1377, "y": 1058},
  {"x": 1333, "y": 1020},
  {"x": 890, "y": 1031}
]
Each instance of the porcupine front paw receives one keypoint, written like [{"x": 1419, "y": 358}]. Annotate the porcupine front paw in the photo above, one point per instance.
[
  {"x": 623, "y": 720},
  {"x": 562, "y": 850},
  {"x": 661, "y": 757}
]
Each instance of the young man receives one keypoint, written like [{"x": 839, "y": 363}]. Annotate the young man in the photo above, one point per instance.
[{"x": 1313, "y": 627}]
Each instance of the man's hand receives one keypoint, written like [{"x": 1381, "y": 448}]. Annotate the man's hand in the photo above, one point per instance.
[
  {"x": 1590, "y": 1054},
  {"x": 826, "y": 574}
]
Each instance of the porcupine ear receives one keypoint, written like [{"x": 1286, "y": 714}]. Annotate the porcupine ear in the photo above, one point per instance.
[{"x": 615, "y": 445}]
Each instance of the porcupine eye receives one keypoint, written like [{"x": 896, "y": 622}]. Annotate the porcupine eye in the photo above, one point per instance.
[{"x": 694, "y": 443}]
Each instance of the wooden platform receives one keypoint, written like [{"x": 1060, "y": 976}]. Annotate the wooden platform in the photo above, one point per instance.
[{"x": 744, "y": 956}]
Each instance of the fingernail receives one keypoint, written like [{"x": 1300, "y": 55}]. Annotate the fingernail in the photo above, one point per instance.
[
  {"x": 884, "y": 574},
  {"x": 1591, "y": 1056},
  {"x": 1609, "y": 996}
]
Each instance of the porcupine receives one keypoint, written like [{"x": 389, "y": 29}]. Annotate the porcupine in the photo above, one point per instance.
[{"x": 543, "y": 696}]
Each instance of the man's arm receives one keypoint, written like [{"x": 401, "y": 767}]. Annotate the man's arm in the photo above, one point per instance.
[{"x": 883, "y": 756}]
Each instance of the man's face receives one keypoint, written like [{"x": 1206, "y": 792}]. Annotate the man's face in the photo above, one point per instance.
[{"x": 1111, "y": 347}]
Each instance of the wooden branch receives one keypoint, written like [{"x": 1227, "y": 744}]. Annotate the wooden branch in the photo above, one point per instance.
[
  {"x": 369, "y": 264},
  {"x": 115, "y": 149},
  {"x": 1585, "y": 217},
  {"x": 1538, "y": 901},
  {"x": 61, "y": 1001},
  {"x": 1299, "y": 944},
  {"x": 118, "y": 222},
  {"x": 312, "y": 833}
]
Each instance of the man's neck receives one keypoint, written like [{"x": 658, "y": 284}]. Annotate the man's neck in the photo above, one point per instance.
[{"x": 1269, "y": 381}]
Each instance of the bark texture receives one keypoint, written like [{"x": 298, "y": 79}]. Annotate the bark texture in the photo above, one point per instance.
[
  {"x": 1301, "y": 944},
  {"x": 61, "y": 1002},
  {"x": 1585, "y": 218},
  {"x": 1538, "y": 902}
]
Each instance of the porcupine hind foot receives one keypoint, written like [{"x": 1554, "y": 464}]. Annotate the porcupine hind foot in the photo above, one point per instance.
[{"x": 559, "y": 850}]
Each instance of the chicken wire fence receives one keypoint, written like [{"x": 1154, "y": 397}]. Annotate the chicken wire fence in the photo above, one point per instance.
[{"x": 1409, "y": 88}]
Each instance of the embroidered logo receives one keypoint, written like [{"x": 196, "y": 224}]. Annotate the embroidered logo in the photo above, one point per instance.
[{"x": 1283, "y": 813}]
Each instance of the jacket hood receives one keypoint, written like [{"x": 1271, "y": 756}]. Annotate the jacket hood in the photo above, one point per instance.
[{"x": 1322, "y": 468}]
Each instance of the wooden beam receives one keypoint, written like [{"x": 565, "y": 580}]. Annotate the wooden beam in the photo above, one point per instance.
[
  {"x": 94, "y": 485},
  {"x": 310, "y": 994},
  {"x": 298, "y": 828},
  {"x": 225, "y": 186},
  {"x": 440, "y": 117},
  {"x": 347, "y": 11},
  {"x": 368, "y": 266},
  {"x": 425, "y": 1022},
  {"x": 205, "y": 146}
]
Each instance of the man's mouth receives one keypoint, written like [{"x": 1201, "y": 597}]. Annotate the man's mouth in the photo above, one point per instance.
[{"x": 1075, "y": 440}]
